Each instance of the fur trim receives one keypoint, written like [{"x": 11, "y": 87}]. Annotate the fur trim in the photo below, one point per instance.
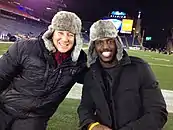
[
  {"x": 103, "y": 29},
  {"x": 48, "y": 42},
  {"x": 65, "y": 21}
]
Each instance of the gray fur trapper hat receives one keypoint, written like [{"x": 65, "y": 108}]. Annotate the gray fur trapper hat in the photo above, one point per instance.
[
  {"x": 65, "y": 21},
  {"x": 103, "y": 29}
]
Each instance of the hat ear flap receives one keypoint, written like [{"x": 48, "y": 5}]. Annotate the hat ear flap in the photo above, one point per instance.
[
  {"x": 46, "y": 38},
  {"x": 92, "y": 55},
  {"x": 119, "y": 45},
  {"x": 77, "y": 49}
]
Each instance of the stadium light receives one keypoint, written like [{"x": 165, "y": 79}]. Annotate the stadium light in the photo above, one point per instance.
[
  {"x": 139, "y": 14},
  {"x": 16, "y": 3},
  {"x": 49, "y": 8}
]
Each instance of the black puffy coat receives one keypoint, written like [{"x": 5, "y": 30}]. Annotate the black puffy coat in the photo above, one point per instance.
[
  {"x": 135, "y": 100},
  {"x": 31, "y": 83}
]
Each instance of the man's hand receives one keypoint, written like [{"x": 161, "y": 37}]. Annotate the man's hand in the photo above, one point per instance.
[{"x": 101, "y": 127}]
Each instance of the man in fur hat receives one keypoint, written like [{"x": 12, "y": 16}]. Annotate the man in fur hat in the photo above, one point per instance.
[
  {"x": 36, "y": 75},
  {"x": 120, "y": 92}
]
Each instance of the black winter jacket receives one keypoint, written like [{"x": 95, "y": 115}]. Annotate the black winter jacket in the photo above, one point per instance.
[
  {"x": 135, "y": 101},
  {"x": 31, "y": 83}
]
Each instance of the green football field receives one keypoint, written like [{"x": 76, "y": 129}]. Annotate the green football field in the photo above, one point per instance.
[{"x": 162, "y": 65}]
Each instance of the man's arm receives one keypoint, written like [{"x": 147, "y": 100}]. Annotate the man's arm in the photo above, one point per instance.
[
  {"x": 154, "y": 106},
  {"x": 9, "y": 64},
  {"x": 82, "y": 75}
]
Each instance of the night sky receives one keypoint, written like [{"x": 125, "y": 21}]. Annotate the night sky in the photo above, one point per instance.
[{"x": 156, "y": 15}]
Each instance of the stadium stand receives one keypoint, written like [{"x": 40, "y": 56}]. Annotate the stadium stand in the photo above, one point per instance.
[{"x": 22, "y": 27}]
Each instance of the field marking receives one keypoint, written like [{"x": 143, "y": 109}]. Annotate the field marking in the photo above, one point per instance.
[
  {"x": 162, "y": 65},
  {"x": 85, "y": 48},
  {"x": 160, "y": 59},
  {"x": 147, "y": 55},
  {"x": 1, "y": 42},
  {"x": 3, "y": 50}
]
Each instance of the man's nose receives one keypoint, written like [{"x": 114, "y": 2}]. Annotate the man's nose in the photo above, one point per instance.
[
  {"x": 105, "y": 45},
  {"x": 65, "y": 38}
]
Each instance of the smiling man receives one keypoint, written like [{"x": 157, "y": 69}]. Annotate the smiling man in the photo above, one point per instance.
[
  {"x": 37, "y": 74},
  {"x": 120, "y": 92}
]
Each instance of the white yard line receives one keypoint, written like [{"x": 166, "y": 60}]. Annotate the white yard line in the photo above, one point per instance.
[
  {"x": 162, "y": 65},
  {"x": 85, "y": 48},
  {"x": 160, "y": 59},
  {"x": 147, "y": 55},
  {"x": 1, "y": 42},
  {"x": 168, "y": 96}
]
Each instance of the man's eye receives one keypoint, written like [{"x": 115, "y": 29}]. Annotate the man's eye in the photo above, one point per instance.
[
  {"x": 111, "y": 41},
  {"x": 61, "y": 33},
  {"x": 98, "y": 43},
  {"x": 71, "y": 35}
]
